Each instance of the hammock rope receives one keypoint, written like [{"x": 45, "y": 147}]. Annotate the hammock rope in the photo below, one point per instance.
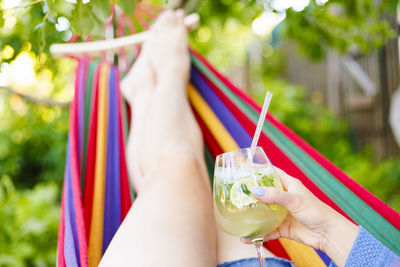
[{"x": 97, "y": 196}]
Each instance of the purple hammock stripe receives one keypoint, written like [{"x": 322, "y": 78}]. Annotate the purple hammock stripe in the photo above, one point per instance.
[
  {"x": 231, "y": 124},
  {"x": 112, "y": 209},
  {"x": 82, "y": 69},
  {"x": 235, "y": 129},
  {"x": 71, "y": 245},
  {"x": 117, "y": 216},
  {"x": 323, "y": 257}
]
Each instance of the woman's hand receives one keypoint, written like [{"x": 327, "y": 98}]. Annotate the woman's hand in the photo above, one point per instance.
[{"x": 310, "y": 221}]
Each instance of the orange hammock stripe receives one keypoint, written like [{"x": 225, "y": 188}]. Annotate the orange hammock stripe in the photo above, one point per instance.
[{"x": 96, "y": 233}]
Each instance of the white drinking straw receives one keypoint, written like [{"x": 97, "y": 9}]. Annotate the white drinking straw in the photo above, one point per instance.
[{"x": 260, "y": 123}]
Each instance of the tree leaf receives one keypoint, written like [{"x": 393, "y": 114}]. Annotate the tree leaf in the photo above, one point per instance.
[
  {"x": 101, "y": 9},
  {"x": 128, "y": 6},
  {"x": 86, "y": 22},
  {"x": 51, "y": 8}
]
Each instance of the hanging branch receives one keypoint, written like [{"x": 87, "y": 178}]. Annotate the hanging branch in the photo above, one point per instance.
[{"x": 35, "y": 100}]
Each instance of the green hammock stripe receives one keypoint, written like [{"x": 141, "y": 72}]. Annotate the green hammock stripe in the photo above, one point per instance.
[
  {"x": 355, "y": 207},
  {"x": 209, "y": 163},
  {"x": 125, "y": 120},
  {"x": 88, "y": 98},
  {"x": 125, "y": 123}
]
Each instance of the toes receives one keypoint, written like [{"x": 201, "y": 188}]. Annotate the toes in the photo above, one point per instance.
[
  {"x": 180, "y": 15},
  {"x": 167, "y": 18}
]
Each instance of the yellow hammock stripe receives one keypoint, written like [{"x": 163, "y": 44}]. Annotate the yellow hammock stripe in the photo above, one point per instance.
[
  {"x": 300, "y": 254},
  {"x": 212, "y": 122},
  {"x": 96, "y": 229}
]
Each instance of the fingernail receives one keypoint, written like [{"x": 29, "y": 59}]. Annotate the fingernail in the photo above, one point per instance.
[{"x": 258, "y": 191}]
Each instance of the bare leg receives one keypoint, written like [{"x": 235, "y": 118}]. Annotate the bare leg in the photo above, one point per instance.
[{"x": 171, "y": 222}]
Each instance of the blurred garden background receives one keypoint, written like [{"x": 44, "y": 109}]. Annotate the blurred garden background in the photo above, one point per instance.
[{"x": 333, "y": 67}]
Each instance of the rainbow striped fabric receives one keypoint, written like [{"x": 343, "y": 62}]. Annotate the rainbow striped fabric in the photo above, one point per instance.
[{"x": 96, "y": 193}]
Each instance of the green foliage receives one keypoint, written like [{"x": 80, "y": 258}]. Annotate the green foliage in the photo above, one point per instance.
[
  {"x": 89, "y": 18},
  {"x": 19, "y": 34},
  {"x": 29, "y": 223},
  {"x": 316, "y": 125},
  {"x": 340, "y": 24},
  {"x": 42, "y": 16},
  {"x": 127, "y": 6},
  {"x": 219, "y": 11},
  {"x": 32, "y": 141},
  {"x": 224, "y": 32}
]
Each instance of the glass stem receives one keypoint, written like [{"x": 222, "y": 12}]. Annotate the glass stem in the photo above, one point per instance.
[{"x": 259, "y": 249}]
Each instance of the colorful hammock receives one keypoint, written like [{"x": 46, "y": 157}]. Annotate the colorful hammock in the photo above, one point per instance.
[{"x": 96, "y": 193}]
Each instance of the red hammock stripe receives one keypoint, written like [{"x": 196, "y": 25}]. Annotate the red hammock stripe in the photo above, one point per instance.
[
  {"x": 89, "y": 174},
  {"x": 80, "y": 224},
  {"x": 61, "y": 231}
]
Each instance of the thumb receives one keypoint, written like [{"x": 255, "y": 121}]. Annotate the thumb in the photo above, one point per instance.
[
  {"x": 273, "y": 235},
  {"x": 272, "y": 195}
]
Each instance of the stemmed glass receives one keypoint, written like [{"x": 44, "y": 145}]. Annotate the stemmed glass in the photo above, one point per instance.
[{"x": 236, "y": 211}]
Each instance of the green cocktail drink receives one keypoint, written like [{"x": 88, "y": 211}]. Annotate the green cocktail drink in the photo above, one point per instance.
[{"x": 237, "y": 212}]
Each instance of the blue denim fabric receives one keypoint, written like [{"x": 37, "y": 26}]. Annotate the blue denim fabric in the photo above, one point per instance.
[{"x": 253, "y": 262}]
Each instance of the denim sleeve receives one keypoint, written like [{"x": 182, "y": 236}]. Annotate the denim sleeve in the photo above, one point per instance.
[{"x": 368, "y": 251}]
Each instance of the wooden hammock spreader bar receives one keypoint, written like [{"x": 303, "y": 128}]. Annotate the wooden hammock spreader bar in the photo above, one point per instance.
[{"x": 111, "y": 45}]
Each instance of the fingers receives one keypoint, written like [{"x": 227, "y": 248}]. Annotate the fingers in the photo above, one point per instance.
[
  {"x": 271, "y": 236},
  {"x": 291, "y": 184},
  {"x": 285, "y": 178},
  {"x": 272, "y": 195},
  {"x": 246, "y": 240}
]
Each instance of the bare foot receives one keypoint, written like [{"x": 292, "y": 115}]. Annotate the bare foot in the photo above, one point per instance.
[
  {"x": 137, "y": 88},
  {"x": 168, "y": 43},
  {"x": 166, "y": 120},
  {"x": 140, "y": 79}
]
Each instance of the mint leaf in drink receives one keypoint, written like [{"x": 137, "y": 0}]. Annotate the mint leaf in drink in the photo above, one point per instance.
[
  {"x": 267, "y": 181},
  {"x": 227, "y": 191},
  {"x": 245, "y": 189}
]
